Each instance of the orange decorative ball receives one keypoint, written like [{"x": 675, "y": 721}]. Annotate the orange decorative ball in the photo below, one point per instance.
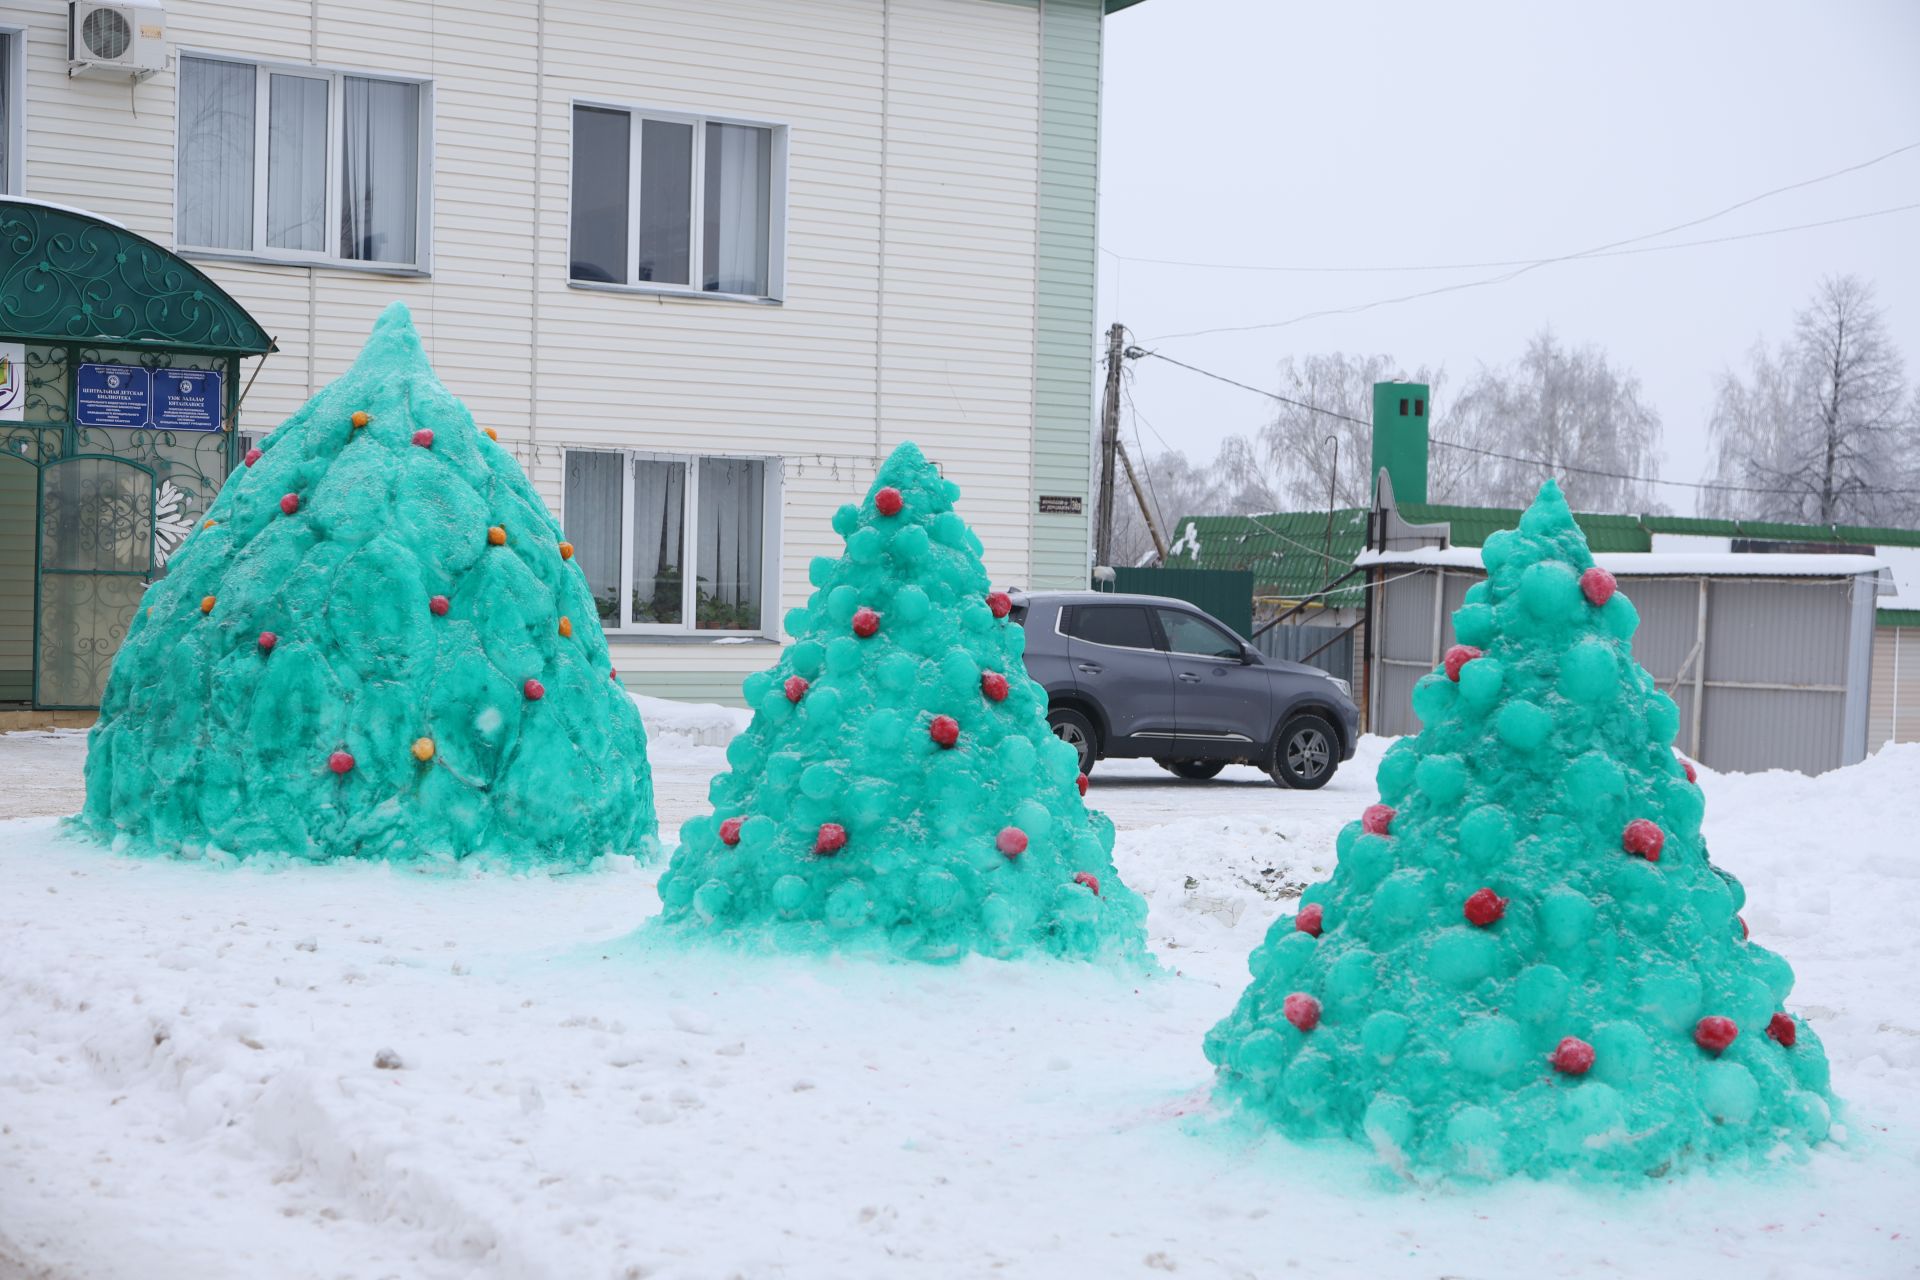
[
  {"x": 491, "y": 433},
  {"x": 497, "y": 535},
  {"x": 208, "y": 524},
  {"x": 206, "y": 604},
  {"x": 566, "y": 626},
  {"x": 361, "y": 417},
  {"x": 423, "y": 749},
  {"x": 566, "y": 551}
]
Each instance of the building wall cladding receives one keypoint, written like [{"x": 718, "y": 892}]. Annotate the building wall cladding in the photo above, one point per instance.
[
  {"x": 1774, "y": 685},
  {"x": 1895, "y": 712},
  {"x": 914, "y": 225}
]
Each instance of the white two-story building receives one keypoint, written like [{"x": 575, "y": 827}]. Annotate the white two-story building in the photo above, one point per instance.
[{"x": 700, "y": 263}]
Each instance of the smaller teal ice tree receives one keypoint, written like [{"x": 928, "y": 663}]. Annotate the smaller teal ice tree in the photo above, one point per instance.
[
  {"x": 377, "y": 645},
  {"x": 898, "y": 790},
  {"x": 1524, "y": 961}
]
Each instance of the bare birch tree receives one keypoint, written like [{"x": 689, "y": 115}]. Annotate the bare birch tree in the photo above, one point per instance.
[{"x": 1821, "y": 430}]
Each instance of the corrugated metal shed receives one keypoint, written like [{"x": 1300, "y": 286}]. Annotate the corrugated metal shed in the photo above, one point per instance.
[{"x": 1288, "y": 553}]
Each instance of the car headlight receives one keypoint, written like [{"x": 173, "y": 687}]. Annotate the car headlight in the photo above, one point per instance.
[{"x": 1344, "y": 686}]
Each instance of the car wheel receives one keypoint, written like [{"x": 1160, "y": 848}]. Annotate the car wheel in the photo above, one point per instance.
[
  {"x": 1193, "y": 770},
  {"x": 1305, "y": 754},
  {"x": 1077, "y": 732}
]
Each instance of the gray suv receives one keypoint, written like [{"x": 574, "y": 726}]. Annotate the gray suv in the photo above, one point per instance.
[{"x": 1146, "y": 676}]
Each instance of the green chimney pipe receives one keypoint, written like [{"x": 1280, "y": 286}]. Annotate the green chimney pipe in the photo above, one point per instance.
[{"x": 1400, "y": 412}]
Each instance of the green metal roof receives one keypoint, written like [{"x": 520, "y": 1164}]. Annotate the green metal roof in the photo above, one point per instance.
[
  {"x": 1288, "y": 551},
  {"x": 1898, "y": 617},
  {"x": 69, "y": 276},
  {"x": 1115, "y": 6}
]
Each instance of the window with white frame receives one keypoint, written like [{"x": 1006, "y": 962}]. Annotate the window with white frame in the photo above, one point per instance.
[
  {"x": 678, "y": 203},
  {"x": 301, "y": 164},
  {"x": 675, "y": 544},
  {"x": 9, "y": 113}
]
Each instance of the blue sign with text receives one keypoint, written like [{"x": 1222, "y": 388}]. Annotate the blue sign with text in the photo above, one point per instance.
[
  {"x": 186, "y": 400},
  {"x": 112, "y": 395},
  {"x": 119, "y": 395}
]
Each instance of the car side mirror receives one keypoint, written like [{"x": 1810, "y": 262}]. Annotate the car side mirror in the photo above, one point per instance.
[{"x": 1249, "y": 656}]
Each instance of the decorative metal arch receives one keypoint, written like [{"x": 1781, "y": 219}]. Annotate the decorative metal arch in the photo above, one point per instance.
[{"x": 67, "y": 276}]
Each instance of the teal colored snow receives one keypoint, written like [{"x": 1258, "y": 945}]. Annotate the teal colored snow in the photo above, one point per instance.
[
  {"x": 898, "y": 790},
  {"x": 376, "y": 647},
  {"x": 1524, "y": 961}
]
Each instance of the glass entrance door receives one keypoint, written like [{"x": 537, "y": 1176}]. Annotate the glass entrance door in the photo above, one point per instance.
[{"x": 96, "y": 557}]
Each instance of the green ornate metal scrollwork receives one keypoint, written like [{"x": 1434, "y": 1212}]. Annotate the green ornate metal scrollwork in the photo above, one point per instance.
[{"x": 66, "y": 276}]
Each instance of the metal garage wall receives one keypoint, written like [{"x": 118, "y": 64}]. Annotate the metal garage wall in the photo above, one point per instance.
[
  {"x": 1896, "y": 687},
  {"x": 1764, "y": 671}
]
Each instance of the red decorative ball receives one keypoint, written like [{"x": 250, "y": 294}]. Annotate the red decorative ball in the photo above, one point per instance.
[
  {"x": 423, "y": 438},
  {"x": 1572, "y": 1056},
  {"x": 796, "y": 688},
  {"x": 831, "y": 839},
  {"x": 1457, "y": 657},
  {"x": 1081, "y": 782},
  {"x": 534, "y": 690},
  {"x": 994, "y": 686},
  {"x": 1783, "y": 1029},
  {"x": 613, "y": 673},
  {"x": 944, "y": 730},
  {"x": 1644, "y": 838},
  {"x": 340, "y": 762},
  {"x": 730, "y": 832},
  {"x": 865, "y": 622},
  {"x": 1302, "y": 1010},
  {"x": 1376, "y": 819},
  {"x": 1088, "y": 879},
  {"x": 1308, "y": 919},
  {"x": 888, "y": 501},
  {"x": 253, "y": 456},
  {"x": 267, "y": 641},
  {"x": 1484, "y": 907},
  {"x": 1000, "y": 602},
  {"x": 1597, "y": 585},
  {"x": 439, "y": 605},
  {"x": 1714, "y": 1033},
  {"x": 1011, "y": 841},
  {"x": 1687, "y": 765},
  {"x": 290, "y": 503},
  {"x": 1743, "y": 928}
]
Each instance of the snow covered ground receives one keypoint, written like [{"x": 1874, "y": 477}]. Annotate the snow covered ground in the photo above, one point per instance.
[{"x": 188, "y": 1084}]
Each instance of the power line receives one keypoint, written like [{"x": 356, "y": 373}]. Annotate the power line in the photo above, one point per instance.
[
  {"x": 1516, "y": 262},
  {"x": 1543, "y": 463},
  {"x": 1518, "y": 271}
]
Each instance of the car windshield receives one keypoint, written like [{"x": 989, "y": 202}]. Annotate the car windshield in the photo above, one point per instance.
[{"x": 1187, "y": 633}]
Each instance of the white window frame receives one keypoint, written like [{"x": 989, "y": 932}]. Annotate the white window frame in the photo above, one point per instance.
[
  {"x": 264, "y": 71},
  {"x": 770, "y": 518},
  {"x": 13, "y": 181},
  {"x": 696, "y": 258}
]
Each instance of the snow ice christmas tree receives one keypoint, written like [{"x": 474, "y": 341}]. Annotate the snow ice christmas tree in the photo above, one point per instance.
[
  {"x": 898, "y": 789},
  {"x": 1524, "y": 962},
  {"x": 375, "y": 646}
]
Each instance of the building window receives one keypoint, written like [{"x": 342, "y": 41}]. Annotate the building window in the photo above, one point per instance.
[
  {"x": 674, "y": 544},
  {"x": 10, "y": 134},
  {"x": 677, "y": 203},
  {"x": 301, "y": 165}
]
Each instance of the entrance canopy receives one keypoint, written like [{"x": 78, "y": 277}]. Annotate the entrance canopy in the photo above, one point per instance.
[{"x": 70, "y": 276}]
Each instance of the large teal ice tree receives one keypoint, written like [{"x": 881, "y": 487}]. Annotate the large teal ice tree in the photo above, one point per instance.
[
  {"x": 376, "y": 646},
  {"x": 898, "y": 790},
  {"x": 1524, "y": 961}
]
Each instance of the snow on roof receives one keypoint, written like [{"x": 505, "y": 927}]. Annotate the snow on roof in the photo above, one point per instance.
[{"x": 1659, "y": 564}]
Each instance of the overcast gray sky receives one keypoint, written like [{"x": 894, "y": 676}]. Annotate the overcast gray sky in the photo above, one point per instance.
[{"x": 1262, "y": 132}]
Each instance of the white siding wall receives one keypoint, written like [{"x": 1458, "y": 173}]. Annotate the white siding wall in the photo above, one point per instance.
[{"x": 909, "y": 311}]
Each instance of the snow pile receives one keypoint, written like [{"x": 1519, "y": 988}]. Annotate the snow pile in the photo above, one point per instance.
[{"x": 689, "y": 724}]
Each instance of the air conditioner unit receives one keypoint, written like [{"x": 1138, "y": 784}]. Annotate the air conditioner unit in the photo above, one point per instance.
[{"x": 115, "y": 41}]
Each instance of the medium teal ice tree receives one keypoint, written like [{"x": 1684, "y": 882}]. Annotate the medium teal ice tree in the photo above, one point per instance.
[
  {"x": 898, "y": 790},
  {"x": 1524, "y": 961},
  {"x": 376, "y": 646}
]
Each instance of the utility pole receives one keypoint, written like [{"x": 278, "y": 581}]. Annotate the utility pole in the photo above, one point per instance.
[
  {"x": 1109, "y": 444},
  {"x": 1139, "y": 496}
]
